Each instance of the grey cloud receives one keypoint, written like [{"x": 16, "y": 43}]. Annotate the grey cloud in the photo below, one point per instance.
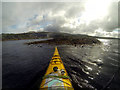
[
  {"x": 0, "y": 17},
  {"x": 113, "y": 16},
  {"x": 104, "y": 24},
  {"x": 75, "y": 10},
  {"x": 52, "y": 28},
  {"x": 119, "y": 14},
  {"x": 56, "y": 28},
  {"x": 21, "y": 12}
]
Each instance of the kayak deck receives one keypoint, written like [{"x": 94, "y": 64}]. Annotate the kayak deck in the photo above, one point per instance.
[{"x": 56, "y": 76}]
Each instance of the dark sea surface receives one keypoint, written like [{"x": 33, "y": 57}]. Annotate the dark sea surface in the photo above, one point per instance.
[{"x": 96, "y": 67}]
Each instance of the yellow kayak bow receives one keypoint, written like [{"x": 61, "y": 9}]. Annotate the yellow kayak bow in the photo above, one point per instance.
[{"x": 56, "y": 77}]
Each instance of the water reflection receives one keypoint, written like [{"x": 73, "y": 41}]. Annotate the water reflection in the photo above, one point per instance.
[
  {"x": 90, "y": 63},
  {"x": 85, "y": 63}
]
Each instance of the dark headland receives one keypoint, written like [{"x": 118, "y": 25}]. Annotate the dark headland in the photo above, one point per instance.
[{"x": 57, "y": 38}]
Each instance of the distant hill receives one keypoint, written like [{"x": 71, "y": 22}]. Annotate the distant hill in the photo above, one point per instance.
[
  {"x": 29, "y": 35},
  {"x": 33, "y": 35}
]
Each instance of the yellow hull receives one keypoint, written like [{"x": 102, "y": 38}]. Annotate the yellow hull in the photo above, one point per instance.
[{"x": 56, "y": 76}]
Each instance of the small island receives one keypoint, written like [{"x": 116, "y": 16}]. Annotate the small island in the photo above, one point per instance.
[{"x": 68, "y": 39}]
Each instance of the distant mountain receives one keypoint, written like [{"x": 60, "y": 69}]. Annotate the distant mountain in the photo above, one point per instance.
[{"x": 35, "y": 35}]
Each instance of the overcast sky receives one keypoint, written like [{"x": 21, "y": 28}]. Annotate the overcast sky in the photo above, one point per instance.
[{"x": 92, "y": 17}]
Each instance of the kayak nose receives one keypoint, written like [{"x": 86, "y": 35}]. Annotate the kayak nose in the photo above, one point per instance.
[{"x": 56, "y": 77}]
